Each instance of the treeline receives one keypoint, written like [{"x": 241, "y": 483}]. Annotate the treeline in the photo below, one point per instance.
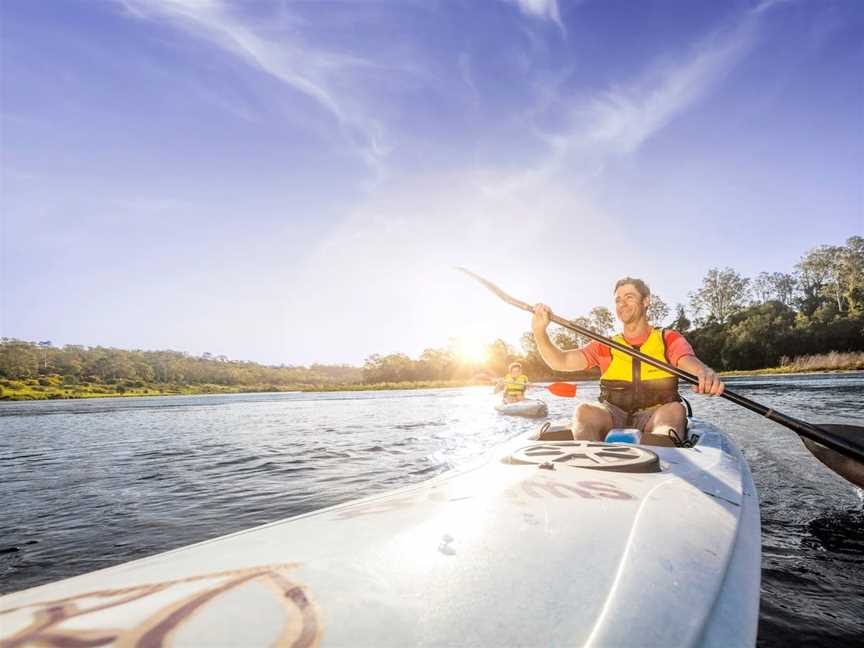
[
  {"x": 449, "y": 364},
  {"x": 734, "y": 323},
  {"x": 773, "y": 318},
  {"x": 81, "y": 365}
]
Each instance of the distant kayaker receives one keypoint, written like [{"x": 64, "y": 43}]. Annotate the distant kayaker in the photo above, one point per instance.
[
  {"x": 631, "y": 396},
  {"x": 513, "y": 384}
]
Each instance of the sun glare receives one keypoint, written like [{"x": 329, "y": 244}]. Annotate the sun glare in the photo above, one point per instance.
[{"x": 470, "y": 349}]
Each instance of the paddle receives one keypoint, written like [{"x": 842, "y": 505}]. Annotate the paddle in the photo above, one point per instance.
[
  {"x": 565, "y": 390},
  {"x": 840, "y": 447}
]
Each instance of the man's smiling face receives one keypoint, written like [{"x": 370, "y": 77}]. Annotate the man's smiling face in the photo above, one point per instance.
[{"x": 629, "y": 305}]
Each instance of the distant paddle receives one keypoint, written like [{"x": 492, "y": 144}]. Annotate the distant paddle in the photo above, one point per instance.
[
  {"x": 840, "y": 447},
  {"x": 565, "y": 390}
]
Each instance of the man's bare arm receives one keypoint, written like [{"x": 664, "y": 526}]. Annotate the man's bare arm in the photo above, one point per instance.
[{"x": 573, "y": 360}]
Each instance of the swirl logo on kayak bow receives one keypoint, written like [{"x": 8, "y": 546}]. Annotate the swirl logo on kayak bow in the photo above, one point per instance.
[
  {"x": 280, "y": 613},
  {"x": 610, "y": 457}
]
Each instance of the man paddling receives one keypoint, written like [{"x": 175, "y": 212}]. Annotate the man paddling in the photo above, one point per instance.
[
  {"x": 632, "y": 393},
  {"x": 513, "y": 384}
]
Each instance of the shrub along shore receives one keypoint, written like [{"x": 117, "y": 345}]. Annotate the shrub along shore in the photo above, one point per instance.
[
  {"x": 53, "y": 387},
  {"x": 49, "y": 388}
]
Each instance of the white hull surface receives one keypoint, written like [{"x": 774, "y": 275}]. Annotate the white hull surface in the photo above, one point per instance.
[
  {"x": 496, "y": 554},
  {"x": 526, "y": 407}
]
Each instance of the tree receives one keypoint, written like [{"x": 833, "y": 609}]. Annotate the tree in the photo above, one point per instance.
[
  {"x": 567, "y": 339},
  {"x": 852, "y": 273},
  {"x": 145, "y": 372},
  {"x": 763, "y": 289},
  {"x": 500, "y": 355},
  {"x": 783, "y": 287},
  {"x": 534, "y": 363},
  {"x": 390, "y": 368},
  {"x": 528, "y": 343},
  {"x": 18, "y": 359},
  {"x": 755, "y": 336},
  {"x": 708, "y": 342},
  {"x": 69, "y": 361},
  {"x": 435, "y": 364},
  {"x": 658, "y": 310},
  {"x": 680, "y": 323},
  {"x": 602, "y": 321},
  {"x": 821, "y": 277},
  {"x": 45, "y": 345},
  {"x": 723, "y": 293},
  {"x": 774, "y": 285}
]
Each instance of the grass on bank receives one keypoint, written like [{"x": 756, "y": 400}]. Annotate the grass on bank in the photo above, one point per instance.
[
  {"x": 833, "y": 361},
  {"x": 52, "y": 387}
]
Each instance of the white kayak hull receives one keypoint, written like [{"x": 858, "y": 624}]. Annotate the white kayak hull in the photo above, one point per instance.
[
  {"x": 501, "y": 553},
  {"x": 530, "y": 407}
]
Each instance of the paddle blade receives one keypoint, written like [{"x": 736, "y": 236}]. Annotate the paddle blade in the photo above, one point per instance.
[
  {"x": 496, "y": 290},
  {"x": 566, "y": 390},
  {"x": 851, "y": 470}
]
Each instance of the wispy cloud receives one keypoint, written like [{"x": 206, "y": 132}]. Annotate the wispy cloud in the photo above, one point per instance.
[
  {"x": 542, "y": 9},
  {"x": 622, "y": 118},
  {"x": 324, "y": 76}
]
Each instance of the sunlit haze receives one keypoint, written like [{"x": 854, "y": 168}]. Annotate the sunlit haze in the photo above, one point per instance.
[
  {"x": 294, "y": 182},
  {"x": 471, "y": 348}
]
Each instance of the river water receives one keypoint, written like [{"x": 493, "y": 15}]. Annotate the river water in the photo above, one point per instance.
[{"x": 91, "y": 483}]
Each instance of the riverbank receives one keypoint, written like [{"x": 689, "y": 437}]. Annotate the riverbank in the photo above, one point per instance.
[
  {"x": 53, "y": 387},
  {"x": 834, "y": 362},
  {"x": 786, "y": 371},
  {"x": 47, "y": 389}
]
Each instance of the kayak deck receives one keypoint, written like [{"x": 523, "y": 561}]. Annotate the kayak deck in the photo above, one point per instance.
[{"x": 497, "y": 553}]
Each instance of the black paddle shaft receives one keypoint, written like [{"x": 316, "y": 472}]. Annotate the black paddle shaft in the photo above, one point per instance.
[{"x": 802, "y": 428}]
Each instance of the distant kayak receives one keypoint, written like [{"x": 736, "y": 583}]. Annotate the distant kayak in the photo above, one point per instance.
[
  {"x": 541, "y": 542},
  {"x": 525, "y": 407}
]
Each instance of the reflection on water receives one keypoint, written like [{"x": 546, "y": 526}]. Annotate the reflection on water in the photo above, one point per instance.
[{"x": 88, "y": 484}]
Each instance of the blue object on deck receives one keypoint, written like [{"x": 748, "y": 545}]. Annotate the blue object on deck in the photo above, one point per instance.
[{"x": 623, "y": 435}]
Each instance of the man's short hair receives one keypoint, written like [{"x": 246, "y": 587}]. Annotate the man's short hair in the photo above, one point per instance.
[
  {"x": 640, "y": 286},
  {"x": 514, "y": 364}
]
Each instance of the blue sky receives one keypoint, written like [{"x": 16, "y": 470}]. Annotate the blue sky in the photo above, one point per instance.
[{"x": 292, "y": 182}]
